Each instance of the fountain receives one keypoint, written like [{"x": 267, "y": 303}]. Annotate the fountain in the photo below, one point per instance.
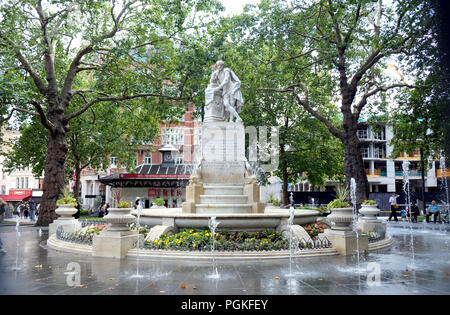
[
  {"x": 138, "y": 241},
  {"x": 444, "y": 184},
  {"x": 222, "y": 187},
  {"x": 17, "y": 267},
  {"x": 212, "y": 223},
  {"x": 224, "y": 183},
  {"x": 355, "y": 221},
  {"x": 406, "y": 190}
]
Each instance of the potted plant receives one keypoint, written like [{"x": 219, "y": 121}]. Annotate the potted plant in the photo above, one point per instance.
[
  {"x": 158, "y": 203},
  {"x": 369, "y": 210},
  {"x": 120, "y": 217},
  {"x": 66, "y": 205},
  {"x": 341, "y": 210}
]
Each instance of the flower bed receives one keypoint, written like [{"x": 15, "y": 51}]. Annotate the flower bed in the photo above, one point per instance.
[
  {"x": 191, "y": 239},
  {"x": 314, "y": 229},
  {"x": 195, "y": 240}
]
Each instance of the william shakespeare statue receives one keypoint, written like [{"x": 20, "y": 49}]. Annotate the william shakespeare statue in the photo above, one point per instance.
[{"x": 223, "y": 97}]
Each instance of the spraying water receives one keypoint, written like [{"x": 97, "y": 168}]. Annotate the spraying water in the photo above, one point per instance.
[
  {"x": 17, "y": 267},
  {"x": 444, "y": 185},
  {"x": 355, "y": 220},
  {"x": 212, "y": 223},
  {"x": 406, "y": 190},
  {"x": 138, "y": 243}
]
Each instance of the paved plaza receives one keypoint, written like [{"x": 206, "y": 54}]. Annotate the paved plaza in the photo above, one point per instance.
[{"x": 28, "y": 267}]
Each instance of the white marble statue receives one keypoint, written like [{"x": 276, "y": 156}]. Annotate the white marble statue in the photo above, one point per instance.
[{"x": 223, "y": 95}]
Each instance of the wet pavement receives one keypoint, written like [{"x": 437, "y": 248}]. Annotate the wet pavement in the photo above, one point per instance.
[{"x": 29, "y": 267}]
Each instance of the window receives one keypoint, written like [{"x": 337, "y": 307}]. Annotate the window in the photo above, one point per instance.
[
  {"x": 179, "y": 159},
  {"x": 362, "y": 134},
  {"x": 3, "y": 191},
  {"x": 26, "y": 182},
  {"x": 148, "y": 159},
  {"x": 366, "y": 152},
  {"x": 113, "y": 161},
  {"x": 172, "y": 136},
  {"x": 17, "y": 182},
  {"x": 197, "y": 136}
]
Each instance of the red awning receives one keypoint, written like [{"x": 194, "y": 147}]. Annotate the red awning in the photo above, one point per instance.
[{"x": 17, "y": 195}]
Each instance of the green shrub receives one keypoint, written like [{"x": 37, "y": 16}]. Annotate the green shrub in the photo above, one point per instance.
[
  {"x": 66, "y": 198},
  {"x": 369, "y": 202},
  {"x": 123, "y": 204},
  {"x": 338, "y": 203},
  {"x": 84, "y": 213},
  {"x": 159, "y": 202}
]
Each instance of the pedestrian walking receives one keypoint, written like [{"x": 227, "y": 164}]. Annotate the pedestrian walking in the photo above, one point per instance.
[
  {"x": 32, "y": 210},
  {"x": 394, "y": 206},
  {"x": 3, "y": 206}
]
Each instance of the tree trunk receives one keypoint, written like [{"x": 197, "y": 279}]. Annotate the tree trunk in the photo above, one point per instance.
[
  {"x": 76, "y": 189},
  {"x": 284, "y": 171},
  {"x": 54, "y": 177},
  {"x": 354, "y": 167}
]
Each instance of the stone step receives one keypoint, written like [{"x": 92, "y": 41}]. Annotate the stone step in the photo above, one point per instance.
[
  {"x": 223, "y": 199},
  {"x": 223, "y": 208},
  {"x": 222, "y": 190}
]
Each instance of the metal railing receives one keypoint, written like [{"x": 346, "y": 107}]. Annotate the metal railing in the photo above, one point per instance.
[{"x": 73, "y": 237}]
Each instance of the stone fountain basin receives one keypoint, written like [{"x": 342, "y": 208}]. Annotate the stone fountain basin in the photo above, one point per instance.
[{"x": 272, "y": 218}]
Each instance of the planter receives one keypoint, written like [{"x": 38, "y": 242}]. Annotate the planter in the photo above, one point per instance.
[
  {"x": 118, "y": 219},
  {"x": 66, "y": 220},
  {"x": 157, "y": 207},
  {"x": 369, "y": 212},
  {"x": 342, "y": 219},
  {"x": 65, "y": 212}
]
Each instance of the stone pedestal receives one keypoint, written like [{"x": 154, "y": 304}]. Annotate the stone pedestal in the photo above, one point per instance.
[
  {"x": 366, "y": 226},
  {"x": 68, "y": 223},
  {"x": 345, "y": 241},
  {"x": 113, "y": 244},
  {"x": 222, "y": 184},
  {"x": 117, "y": 239}
]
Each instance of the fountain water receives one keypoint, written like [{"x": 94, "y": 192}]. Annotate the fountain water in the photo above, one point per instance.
[
  {"x": 212, "y": 223},
  {"x": 138, "y": 242},
  {"x": 293, "y": 242},
  {"x": 445, "y": 187},
  {"x": 406, "y": 190},
  {"x": 355, "y": 220},
  {"x": 17, "y": 267}
]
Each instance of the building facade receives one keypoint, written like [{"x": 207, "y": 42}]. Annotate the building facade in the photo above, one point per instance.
[
  {"x": 154, "y": 176},
  {"x": 20, "y": 184},
  {"x": 383, "y": 173}
]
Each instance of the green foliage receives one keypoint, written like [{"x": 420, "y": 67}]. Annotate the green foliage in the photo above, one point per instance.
[
  {"x": 67, "y": 199},
  {"x": 123, "y": 204},
  {"x": 159, "y": 202},
  {"x": 337, "y": 203},
  {"x": 369, "y": 202},
  {"x": 342, "y": 192},
  {"x": 84, "y": 213},
  {"x": 191, "y": 239}
]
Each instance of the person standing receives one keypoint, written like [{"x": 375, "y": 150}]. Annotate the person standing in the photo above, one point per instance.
[
  {"x": 3, "y": 205},
  {"x": 32, "y": 210},
  {"x": 394, "y": 206}
]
